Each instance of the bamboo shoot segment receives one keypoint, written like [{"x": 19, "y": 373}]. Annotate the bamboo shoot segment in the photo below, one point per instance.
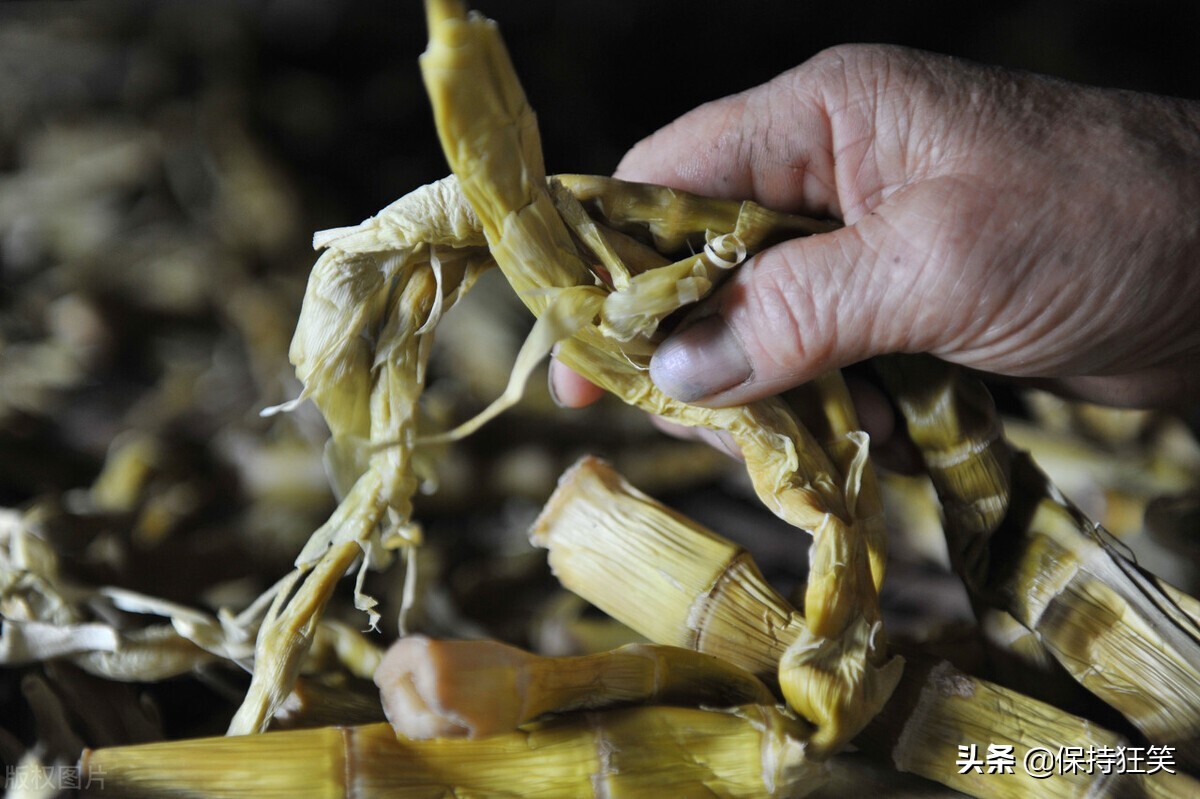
[
  {"x": 686, "y": 586},
  {"x": 935, "y": 708},
  {"x": 954, "y": 424},
  {"x": 989, "y": 741},
  {"x": 436, "y": 689},
  {"x": 753, "y": 751},
  {"x": 679, "y": 584},
  {"x": 1124, "y": 635}
]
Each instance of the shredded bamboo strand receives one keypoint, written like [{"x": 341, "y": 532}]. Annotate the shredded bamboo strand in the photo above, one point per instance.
[
  {"x": 825, "y": 407},
  {"x": 368, "y": 409},
  {"x": 398, "y": 245},
  {"x": 675, "y": 220}
]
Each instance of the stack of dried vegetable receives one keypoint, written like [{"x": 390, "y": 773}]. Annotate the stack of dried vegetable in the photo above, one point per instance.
[
  {"x": 148, "y": 238},
  {"x": 601, "y": 264}
]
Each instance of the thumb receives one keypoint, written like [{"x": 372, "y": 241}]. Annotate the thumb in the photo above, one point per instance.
[{"x": 789, "y": 314}]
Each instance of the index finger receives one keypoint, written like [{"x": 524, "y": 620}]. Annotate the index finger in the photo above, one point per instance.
[{"x": 772, "y": 144}]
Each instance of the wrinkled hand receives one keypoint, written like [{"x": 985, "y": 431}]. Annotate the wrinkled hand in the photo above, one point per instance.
[{"x": 1004, "y": 221}]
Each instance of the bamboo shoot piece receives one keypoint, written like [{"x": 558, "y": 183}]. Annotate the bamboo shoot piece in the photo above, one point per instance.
[
  {"x": 746, "y": 753},
  {"x": 985, "y": 740},
  {"x": 670, "y": 579},
  {"x": 446, "y": 689},
  {"x": 642, "y": 563},
  {"x": 838, "y": 676},
  {"x": 1126, "y": 636}
]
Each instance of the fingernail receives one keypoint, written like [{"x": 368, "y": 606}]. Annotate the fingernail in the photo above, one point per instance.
[
  {"x": 699, "y": 361},
  {"x": 550, "y": 385}
]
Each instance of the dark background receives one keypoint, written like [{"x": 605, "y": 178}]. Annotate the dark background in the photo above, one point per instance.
[
  {"x": 333, "y": 87},
  {"x": 602, "y": 75},
  {"x": 329, "y": 94}
]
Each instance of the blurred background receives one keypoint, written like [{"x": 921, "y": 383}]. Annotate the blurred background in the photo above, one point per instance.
[
  {"x": 163, "y": 166},
  {"x": 177, "y": 152},
  {"x": 330, "y": 88}
]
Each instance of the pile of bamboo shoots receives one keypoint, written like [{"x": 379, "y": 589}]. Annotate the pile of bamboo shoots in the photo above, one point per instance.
[{"x": 731, "y": 689}]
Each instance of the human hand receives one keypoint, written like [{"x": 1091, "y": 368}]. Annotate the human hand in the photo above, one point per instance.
[{"x": 1011, "y": 223}]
